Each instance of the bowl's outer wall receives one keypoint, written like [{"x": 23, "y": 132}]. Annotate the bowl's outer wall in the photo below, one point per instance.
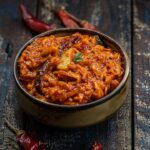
[
  {"x": 75, "y": 118},
  {"x": 81, "y": 115}
]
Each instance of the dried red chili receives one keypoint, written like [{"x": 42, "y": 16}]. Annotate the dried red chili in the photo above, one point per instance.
[
  {"x": 82, "y": 23},
  {"x": 32, "y": 22},
  {"x": 66, "y": 20},
  {"x": 97, "y": 146},
  {"x": 87, "y": 25},
  {"x": 27, "y": 141}
]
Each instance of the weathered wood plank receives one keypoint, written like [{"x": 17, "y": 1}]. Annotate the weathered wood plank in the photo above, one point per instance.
[
  {"x": 142, "y": 73},
  {"x": 12, "y": 33},
  {"x": 113, "y": 18}
]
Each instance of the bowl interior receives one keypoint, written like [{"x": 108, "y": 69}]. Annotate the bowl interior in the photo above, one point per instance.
[{"x": 63, "y": 32}]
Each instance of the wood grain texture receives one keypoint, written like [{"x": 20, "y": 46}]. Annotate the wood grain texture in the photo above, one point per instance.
[
  {"x": 12, "y": 36},
  {"x": 113, "y": 18},
  {"x": 142, "y": 73}
]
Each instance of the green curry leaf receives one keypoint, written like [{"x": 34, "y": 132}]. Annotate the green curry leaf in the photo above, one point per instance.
[{"x": 77, "y": 57}]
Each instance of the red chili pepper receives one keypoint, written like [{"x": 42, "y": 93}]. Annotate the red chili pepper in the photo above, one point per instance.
[
  {"x": 32, "y": 22},
  {"x": 87, "y": 25},
  {"x": 27, "y": 141},
  {"x": 82, "y": 23},
  {"x": 66, "y": 20},
  {"x": 97, "y": 146}
]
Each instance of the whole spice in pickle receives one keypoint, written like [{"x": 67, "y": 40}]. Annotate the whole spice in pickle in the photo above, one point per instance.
[
  {"x": 25, "y": 140},
  {"x": 41, "y": 72},
  {"x": 32, "y": 22}
]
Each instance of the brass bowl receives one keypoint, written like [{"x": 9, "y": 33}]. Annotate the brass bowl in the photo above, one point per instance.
[{"x": 83, "y": 114}]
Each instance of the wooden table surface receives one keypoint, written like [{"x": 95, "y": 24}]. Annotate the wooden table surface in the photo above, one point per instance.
[{"x": 128, "y": 22}]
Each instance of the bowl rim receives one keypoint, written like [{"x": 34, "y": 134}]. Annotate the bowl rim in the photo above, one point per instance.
[{"x": 80, "y": 106}]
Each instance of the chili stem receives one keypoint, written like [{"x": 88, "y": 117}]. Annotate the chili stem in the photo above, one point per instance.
[{"x": 12, "y": 128}]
